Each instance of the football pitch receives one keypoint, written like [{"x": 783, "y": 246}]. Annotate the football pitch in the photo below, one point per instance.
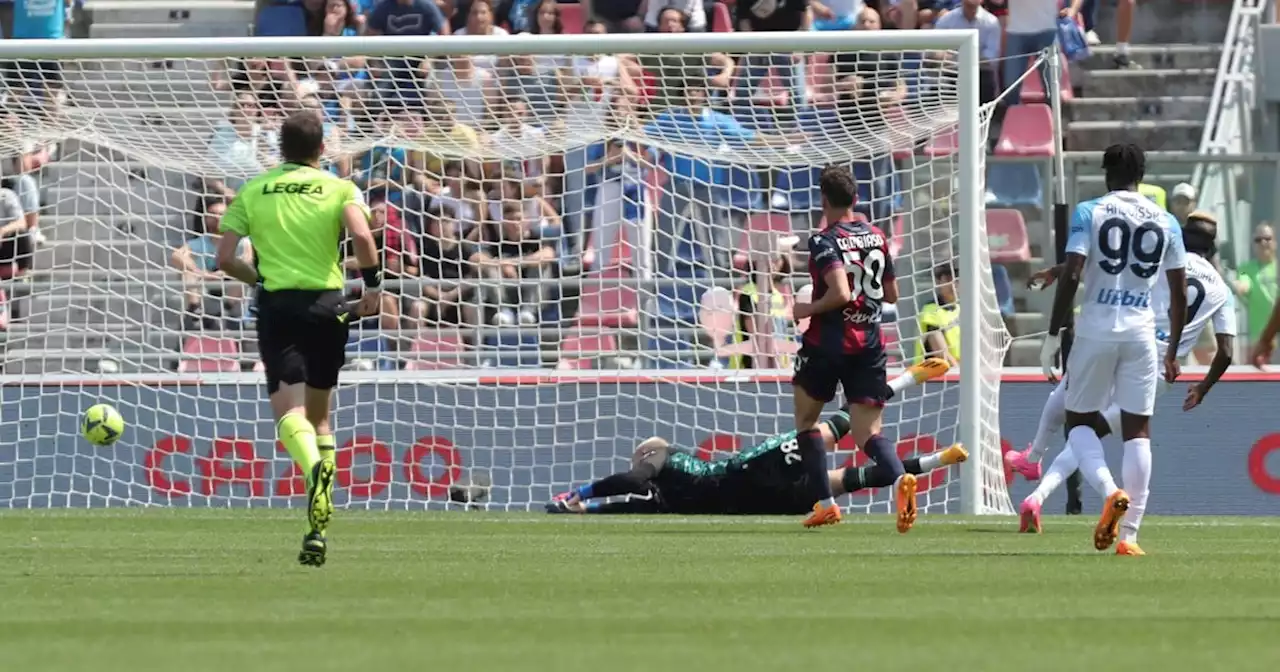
[{"x": 195, "y": 590}]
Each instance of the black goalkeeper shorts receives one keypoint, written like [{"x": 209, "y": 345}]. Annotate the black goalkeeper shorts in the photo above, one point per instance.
[
  {"x": 862, "y": 376},
  {"x": 302, "y": 337}
]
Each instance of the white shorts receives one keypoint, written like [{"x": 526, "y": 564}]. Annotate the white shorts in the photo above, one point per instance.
[{"x": 1124, "y": 372}]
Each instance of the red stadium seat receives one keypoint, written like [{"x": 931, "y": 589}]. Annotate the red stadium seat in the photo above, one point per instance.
[
  {"x": 205, "y": 354},
  {"x": 892, "y": 346},
  {"x": 436, "y": 352},
  {"x": 721, "y": 19},
  {"x": 1007, "y": 237},
  {"x": 1027, "y": 131},
  {"x": 604, "y": 303},
  {"x": 1033, "y": 87},
  {"x": 571, "y": 18},
  {"x": 943, "y": 144},
  {"x": 577, "y": 352}
]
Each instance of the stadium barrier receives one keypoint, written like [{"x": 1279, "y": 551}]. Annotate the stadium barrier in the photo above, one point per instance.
[{"x": 403, "y": 445}]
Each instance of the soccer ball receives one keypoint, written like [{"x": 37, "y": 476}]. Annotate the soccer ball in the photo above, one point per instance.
[{"x": 102, "y": 425}]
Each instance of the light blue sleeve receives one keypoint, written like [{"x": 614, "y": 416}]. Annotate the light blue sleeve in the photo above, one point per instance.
[
  {"x": 1080, "y": 236},
  {"x": 1175, "y": 253}
]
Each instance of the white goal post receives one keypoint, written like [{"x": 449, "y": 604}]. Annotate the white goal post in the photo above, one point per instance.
[{"x": 101, "y": 314}]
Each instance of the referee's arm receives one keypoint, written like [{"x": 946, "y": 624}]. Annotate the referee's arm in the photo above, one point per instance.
[{"x": 234, "y": 228}]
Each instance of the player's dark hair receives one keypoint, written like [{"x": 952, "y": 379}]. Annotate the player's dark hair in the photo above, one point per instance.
[
  {"x": 1124, "y": 166},
  {"x": 1200, "y": 234},
  {"x": 837, "y": 185},
  {"x": 944, "y": 271},
  {"x": 302, "y": 137}
]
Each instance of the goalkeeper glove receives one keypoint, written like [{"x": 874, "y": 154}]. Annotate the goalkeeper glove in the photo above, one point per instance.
[{"x": 1049, "y": 355}]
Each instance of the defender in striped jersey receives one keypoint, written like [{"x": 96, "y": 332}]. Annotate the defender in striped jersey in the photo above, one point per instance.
[
  {"x": 769, "y": 478},
  {"x": 1209, "y": 302}
]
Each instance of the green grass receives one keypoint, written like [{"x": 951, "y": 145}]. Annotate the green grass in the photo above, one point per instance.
[{"x": 194, "y": 590}]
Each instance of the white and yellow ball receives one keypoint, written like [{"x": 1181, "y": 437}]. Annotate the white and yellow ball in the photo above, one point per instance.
[{"x": 102, "y": 425}]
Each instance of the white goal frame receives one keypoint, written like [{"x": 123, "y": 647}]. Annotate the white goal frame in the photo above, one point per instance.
[{"x": 971, "y": 147}]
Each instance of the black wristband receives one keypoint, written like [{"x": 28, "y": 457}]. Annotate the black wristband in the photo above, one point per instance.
[{"x": 372, "y": 277}]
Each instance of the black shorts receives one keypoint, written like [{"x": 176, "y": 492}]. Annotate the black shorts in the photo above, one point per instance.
[
  {"x": 302, "y": 337},
  {"x": 862, "y": 376},
  {"x": 773, "y": 486}
]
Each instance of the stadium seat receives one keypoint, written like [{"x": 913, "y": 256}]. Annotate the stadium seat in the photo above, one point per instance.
[
  {"x": 669, "y": 353},
  {"x": 800, "y": 186},
  {"x": 1007, "y": 237},
  {"x": 578, "y": 351},
  {"x": 604, "y": 303},
  {"x": 942, "y": 144},
  {"x": 1014, "y": 185},
  {"x": 1027, "y": 131},
  {"x": 370, "y": 347},
  {"x": 571, "y": 18},
  {"x": 721, "y": 18},
  {"x": 677, "y": 304},
  {"x": 511, "y": 349},
  {"x": 286, "y": 20},
  {"x": 436, "y": 352},
  {"x": 892, "y": 344},
  {"x": 206, "y": 354},
  {"x": 1033, "y": 86},
  {"x": 745, "y": 192}
]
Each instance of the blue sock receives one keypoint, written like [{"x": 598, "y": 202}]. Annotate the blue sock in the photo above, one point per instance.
[
  {"x": 584, "y": 492},
  {"x": 813, "y": 455},
  {"x": 885, "y": 455}
]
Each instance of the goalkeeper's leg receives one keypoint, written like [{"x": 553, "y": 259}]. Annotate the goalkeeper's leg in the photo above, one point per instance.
[{"x": 852, "y": 479}]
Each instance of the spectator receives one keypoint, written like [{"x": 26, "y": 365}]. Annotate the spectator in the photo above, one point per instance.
[
  {"x": 321, "y": 13},
  {"x": 240, "y": 146},
  {"x": 15, "y": 243},
  {"x": 1032, "y": 27},
  {"x": 835, "y": 14},
  {"x": 466, "y": 88},
  {"x": 614, "y": 170},
  {"x": 271, "y": 82},
  {"x": 196, "y": 261},
  {"x": 512, "y": 249},
  {"x": 518, "y": 135},
  {"x": 546, "y": 19},
  {"x": 693, "y": 12},
  {"x": 522, "y": 16},
  {"x": 400, "y": 259},
  {"x": 480, "y": 21},
  {"x": 381, "y": 171},
  {"x": 460, "y": 193},
  {"x": 518, "y": 76},
  {"x": 436, "y": 126},
  {"x": 774, "y": 16},
  {"x": 940, "y": 320},
  {"x": 972, "y": 15},
  {"x": 692, "y": 179},
  {"x": 1124, "y": 31},
  {"x": 405, "y": 17},
  {"x": 21, "y": 175},
  {"x": 670, "y": 70},
  {"x": 1155, "y": 193},
  {"x": 778, "y": 311},
  {"x": 617, "y": 16},
  {"x": 40, "y": 20},
  {"x": 451, "y": 300},
  {"x": 536, "y": 209},
  {"x": 1256, "y": 281},
  {"x": 1182, "y": 201},
  {"x": 905, "y": 14}
]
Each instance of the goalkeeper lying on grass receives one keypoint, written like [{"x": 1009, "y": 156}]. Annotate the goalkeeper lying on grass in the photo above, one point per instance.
[{"x": 766, "y": 479}]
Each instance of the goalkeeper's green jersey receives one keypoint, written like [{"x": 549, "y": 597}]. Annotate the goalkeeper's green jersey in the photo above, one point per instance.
[
  {"x": 293, "y": 215},
  {"x": 692, "y": 465}
]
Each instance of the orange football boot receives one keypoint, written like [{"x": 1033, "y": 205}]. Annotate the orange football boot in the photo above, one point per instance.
[
  {"x": 1108, "y": 527},
  {"x": 823, "y": 515},
  {"x": 1129, "y": 548},
  {"x": 904, "y": 492}
]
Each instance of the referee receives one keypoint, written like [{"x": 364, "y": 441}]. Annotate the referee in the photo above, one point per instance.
[{"x": 295, "y": 215}]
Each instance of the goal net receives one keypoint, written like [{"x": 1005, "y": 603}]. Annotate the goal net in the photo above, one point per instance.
[{"x": 585, "y": 249}]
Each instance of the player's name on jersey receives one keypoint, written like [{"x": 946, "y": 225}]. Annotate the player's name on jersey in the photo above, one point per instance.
[
  {"x": 308, "y": 188},
  {"x": 861, "y": 241}
]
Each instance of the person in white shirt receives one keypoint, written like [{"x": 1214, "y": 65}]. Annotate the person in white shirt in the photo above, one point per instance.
[
  {"x": 1118, "y": 243},
  {"x": 692, "y": 9},
  {"x": 971, "y": 14},
  {"x": 480, "y": 22},
  {"x": 1032, "y": 26},
  {"x": 1209, "y": 302},
  {"x": 835, "y": 14}
]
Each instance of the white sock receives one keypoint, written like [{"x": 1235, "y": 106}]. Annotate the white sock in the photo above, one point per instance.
[
  {"x": 1093, "y": 465},
  {"x": 902, "y": 382},
  {"x": 828, "y": 502},
  {"x": 1112, "y": 415},
  {"x": 1122, "y": 48},
  {"x": 1136, "y": 469},
  {"x": 1056, "y": 475},
  {"x": 1052, "y": 419},
  {"x": 931, "y": 461}
]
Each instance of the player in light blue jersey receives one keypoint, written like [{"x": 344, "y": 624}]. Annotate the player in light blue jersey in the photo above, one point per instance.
[
  {"x": 1118, "y": 244},
  {"x": 1210, "y": 301}
]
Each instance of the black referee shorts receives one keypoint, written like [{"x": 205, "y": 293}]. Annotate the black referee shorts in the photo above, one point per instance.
[{"x": 302, "y": 337}]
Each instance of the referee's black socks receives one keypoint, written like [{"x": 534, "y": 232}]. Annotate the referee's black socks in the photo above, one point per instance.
[{"x": 813, "y": 456}]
